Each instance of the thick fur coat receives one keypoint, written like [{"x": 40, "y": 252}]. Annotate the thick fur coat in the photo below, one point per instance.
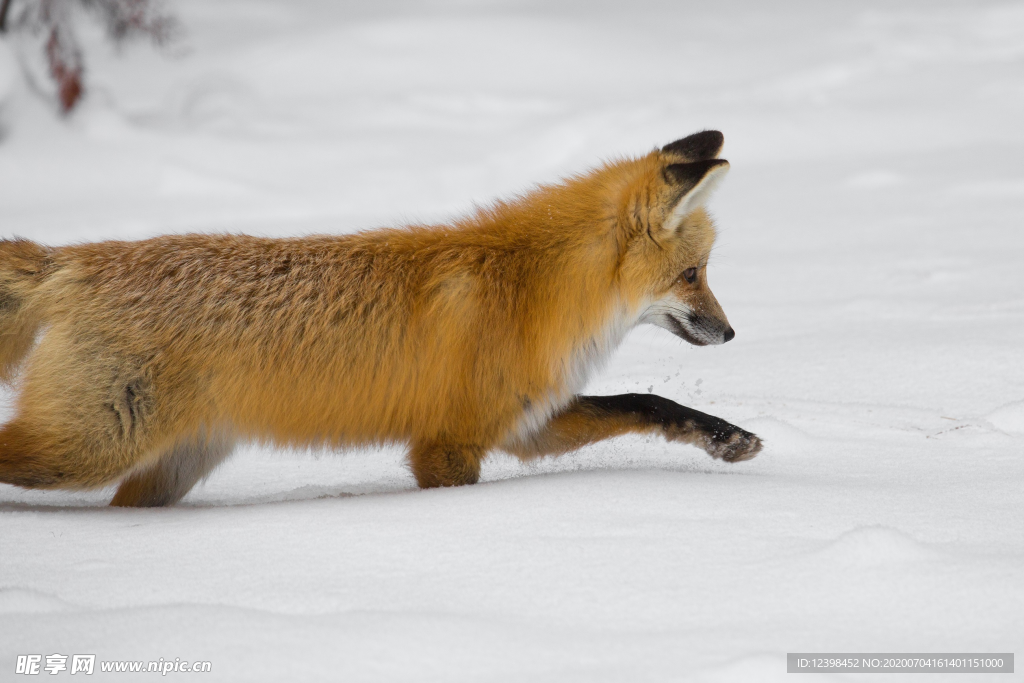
[{"x": 145, "y": 361}]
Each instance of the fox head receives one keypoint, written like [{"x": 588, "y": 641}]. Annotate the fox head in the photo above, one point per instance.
[{"x": 668, "y": 238}]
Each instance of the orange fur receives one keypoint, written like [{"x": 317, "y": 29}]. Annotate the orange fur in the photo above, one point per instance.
[{"x": 456, "y": 339}]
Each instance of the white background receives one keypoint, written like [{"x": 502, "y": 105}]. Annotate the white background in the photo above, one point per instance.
[{"x": 870, "y": 259}]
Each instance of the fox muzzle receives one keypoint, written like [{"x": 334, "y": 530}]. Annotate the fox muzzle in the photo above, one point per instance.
[{"x": 700, "y": 330}]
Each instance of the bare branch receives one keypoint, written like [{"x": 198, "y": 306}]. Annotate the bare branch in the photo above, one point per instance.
[
  {"x": 5, "y": 6},
  {"x": 54, "y": 21}
]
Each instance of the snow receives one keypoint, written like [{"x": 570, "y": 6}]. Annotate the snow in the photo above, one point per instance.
[{"x": 870, "y": 261}]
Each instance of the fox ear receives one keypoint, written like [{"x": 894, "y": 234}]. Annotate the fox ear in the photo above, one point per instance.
[
  {"x": 701, "y": 146},
  {"x": 693, "y": 185}
]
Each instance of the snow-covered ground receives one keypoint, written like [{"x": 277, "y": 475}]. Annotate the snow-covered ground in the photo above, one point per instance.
[{"x": 871, "y": 260}]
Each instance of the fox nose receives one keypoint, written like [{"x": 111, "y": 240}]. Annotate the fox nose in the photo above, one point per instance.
[{"x": 729, "y": 334}]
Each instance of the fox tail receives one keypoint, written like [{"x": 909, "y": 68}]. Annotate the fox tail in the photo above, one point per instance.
[{"x": 24, "y": 266}]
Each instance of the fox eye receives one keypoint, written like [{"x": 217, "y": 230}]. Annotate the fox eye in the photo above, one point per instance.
[{"x": 690, "y": 275}]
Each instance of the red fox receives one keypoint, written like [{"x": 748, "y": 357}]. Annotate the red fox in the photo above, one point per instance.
[{"x": 144, "y": 362}]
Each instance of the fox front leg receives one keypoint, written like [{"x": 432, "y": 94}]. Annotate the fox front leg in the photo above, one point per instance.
[
  {"x": 441, "y": 463},
  {"x": 589, "y": 419}
]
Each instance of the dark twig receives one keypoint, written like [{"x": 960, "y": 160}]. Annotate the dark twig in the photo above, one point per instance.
[{"x": 4, "y": 6}]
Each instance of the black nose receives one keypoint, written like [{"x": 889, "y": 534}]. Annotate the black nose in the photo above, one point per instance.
[{"x": 729, "y": 334}]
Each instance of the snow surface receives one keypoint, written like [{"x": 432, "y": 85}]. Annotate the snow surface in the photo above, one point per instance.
[{"x": 870, "y": 260}]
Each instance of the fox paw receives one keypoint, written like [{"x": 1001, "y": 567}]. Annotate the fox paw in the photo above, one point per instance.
[{"x": 733, "y": 445}]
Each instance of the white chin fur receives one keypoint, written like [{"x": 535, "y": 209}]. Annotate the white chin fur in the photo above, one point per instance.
[{"x": 662, "y": 311}]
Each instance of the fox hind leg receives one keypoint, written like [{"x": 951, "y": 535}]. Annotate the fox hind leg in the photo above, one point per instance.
[
  {"x": 589, "y": 419},
  {"x": 88, "y": 414},
  {"x": 47, "y": 456},
  {"x": 166, "y": 481}
]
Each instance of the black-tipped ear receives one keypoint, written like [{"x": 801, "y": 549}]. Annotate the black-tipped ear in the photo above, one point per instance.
[
  {"x": 706, "y": 144},
  {"x": 694, "y": 184},
  {"x": 686, "y": 176}
]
